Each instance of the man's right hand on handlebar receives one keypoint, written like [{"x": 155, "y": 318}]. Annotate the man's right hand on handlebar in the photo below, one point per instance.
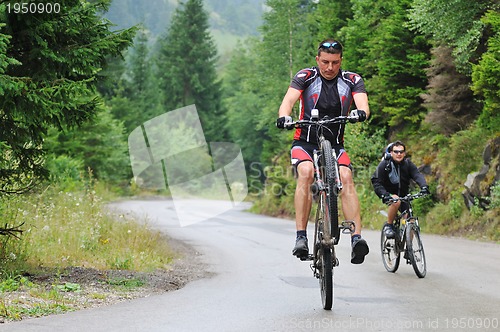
[
  {"x": 387, "y": 199},
  {"x": 284, "y": 122}
]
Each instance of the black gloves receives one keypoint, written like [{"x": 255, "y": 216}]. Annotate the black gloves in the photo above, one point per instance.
[
  {"x": 360, "y": 114},
  {"x": 386, "y": 199},
  {"x": 425, "y": 191},
  {"x": 281, "y": 122}
]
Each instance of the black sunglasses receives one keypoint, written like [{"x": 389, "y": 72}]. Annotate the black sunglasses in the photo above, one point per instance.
[
  {"x": 334, "y": 45},
  {"x": 398, "y": 151}
]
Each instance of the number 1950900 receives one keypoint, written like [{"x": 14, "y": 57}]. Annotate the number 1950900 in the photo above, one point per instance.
[{"x": 33, "y": 8}]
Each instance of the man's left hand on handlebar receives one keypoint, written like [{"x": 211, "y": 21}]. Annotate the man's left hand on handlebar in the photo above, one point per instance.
[
  {"x": 284, "y": 122},
  {"x": 359, "y": 114}
]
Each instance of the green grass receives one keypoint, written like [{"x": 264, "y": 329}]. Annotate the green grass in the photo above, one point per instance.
[
  {"x": 13, "y": 284},
  {"x": 47, "y": 301},
  {"x": 126, "y": 283},
  {"x": 70, "y": 229},
  {"x": 18, "y": 310},
  {"x": 63, "y": 229}
]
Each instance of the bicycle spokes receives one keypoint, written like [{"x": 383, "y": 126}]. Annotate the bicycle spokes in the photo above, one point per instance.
[
  {"x": 416, "y": 251},
  {"x": 390, "y": 253}
]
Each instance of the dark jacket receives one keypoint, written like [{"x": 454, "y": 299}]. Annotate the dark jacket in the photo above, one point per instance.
[{"x": 402, "y": 174}]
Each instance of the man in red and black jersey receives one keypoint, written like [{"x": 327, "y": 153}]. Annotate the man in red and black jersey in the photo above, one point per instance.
[{"x": 331, "y": 90}]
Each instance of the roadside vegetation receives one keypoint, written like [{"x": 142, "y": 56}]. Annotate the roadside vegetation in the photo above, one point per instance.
[
  {"x": 63, "y": 229},
  {"x": 67, "y": 229}
]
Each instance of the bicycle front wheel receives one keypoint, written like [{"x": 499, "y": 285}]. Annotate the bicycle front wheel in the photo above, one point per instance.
[
  {"x": 390, "y": 255},
  {"x": 326, "y": 277},
  {"x": 328, "y": 177},
  {"x": 415, "y": 250}
]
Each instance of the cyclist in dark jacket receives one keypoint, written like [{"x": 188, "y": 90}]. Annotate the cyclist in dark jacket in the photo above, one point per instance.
[{"x": 392, "y": 180}]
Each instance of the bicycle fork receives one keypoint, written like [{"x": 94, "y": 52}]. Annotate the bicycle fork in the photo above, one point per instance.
[
  {"x": 338, "y": 182},
  {"x": 317, "y": 186}
]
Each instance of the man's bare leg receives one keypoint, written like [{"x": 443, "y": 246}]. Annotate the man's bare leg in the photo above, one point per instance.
[
  {"x": 350, "y": 200},
  {"x": 351, "y": 210},
  {"x": 303, "y": 202}
]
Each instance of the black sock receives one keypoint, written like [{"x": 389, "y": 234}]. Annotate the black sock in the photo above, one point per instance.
[{"x": 302, "y": 233}]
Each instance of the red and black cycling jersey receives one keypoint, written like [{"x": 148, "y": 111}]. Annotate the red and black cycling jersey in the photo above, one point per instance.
[{"x": 331, "y": 97}]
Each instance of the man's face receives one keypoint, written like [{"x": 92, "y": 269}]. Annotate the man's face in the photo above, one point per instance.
[
  {"x": 398, "y": 153},
  {"x": 329, "y": 64}
]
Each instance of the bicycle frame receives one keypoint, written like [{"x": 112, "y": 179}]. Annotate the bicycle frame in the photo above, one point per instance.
[
  {"x": 402, "y": 221},
  {"x": 400, "y": 231}
]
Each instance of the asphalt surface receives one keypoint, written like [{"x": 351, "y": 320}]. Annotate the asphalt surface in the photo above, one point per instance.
[{"x": 259, "y": 286}]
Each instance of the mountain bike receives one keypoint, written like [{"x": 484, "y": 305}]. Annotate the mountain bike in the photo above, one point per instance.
[
  {"x": 406, "y": 240},
  {"x": 325, "y": 189}
]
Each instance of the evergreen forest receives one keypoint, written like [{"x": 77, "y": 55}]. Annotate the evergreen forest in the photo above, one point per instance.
[{"x": 75, "y": 83}]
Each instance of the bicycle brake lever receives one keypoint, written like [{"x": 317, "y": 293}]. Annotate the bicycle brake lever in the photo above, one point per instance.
[{"x": 353, "y": 119}]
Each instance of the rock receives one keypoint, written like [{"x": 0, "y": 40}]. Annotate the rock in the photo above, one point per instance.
[
  {"x": 425, "y": 169},
  {"x": 473, "y": 183},
  {"x": 468, "y": 199},
  {"x": 478, "y": 184}
]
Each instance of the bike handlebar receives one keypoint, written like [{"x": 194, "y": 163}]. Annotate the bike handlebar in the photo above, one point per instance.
[
  {"x": 322, "y": 122},
  {"x": 407, "y": 198}
]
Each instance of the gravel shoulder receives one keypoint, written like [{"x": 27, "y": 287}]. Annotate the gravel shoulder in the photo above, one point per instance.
[{"x": 78, "y": 288}]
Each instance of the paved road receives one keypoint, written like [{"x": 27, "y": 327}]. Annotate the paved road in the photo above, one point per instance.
[{"x": 259, "y": 286}]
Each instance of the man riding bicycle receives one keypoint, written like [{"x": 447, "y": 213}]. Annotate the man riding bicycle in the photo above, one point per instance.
[
  {"x": 391, "y": 180},
  {"x": 331, "y": 90}
]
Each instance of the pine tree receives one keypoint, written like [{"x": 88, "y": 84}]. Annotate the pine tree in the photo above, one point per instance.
[
  {"x": 136, "y": 97},
  {"x": 52, "y": 84},
  {"x": 329, "y": 17},
  {"x": 486, "y": 75},
  {"x": 455, "y": 23},
  {"x": 187, "y": 68},
  {"x": 391, "y": 58},
  {"x": 99, "y": 146}
]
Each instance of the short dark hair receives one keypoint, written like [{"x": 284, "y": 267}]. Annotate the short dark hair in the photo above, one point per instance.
[
  {"x": 332, "y": 46},
  {"x": 397, "y": 143}
]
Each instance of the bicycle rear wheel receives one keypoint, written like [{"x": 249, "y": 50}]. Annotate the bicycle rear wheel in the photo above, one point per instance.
[
  {"x": 390, "y": 255},
  {"x": 415, "y": 250},
  {"x": 328, "y": 178}
]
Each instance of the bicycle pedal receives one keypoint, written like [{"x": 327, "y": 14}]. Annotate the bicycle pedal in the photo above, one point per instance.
[
  {"x": 348, "y": 226},
  {"x": 306, "y": 258},
  {"x": 335, "y": 262}
]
